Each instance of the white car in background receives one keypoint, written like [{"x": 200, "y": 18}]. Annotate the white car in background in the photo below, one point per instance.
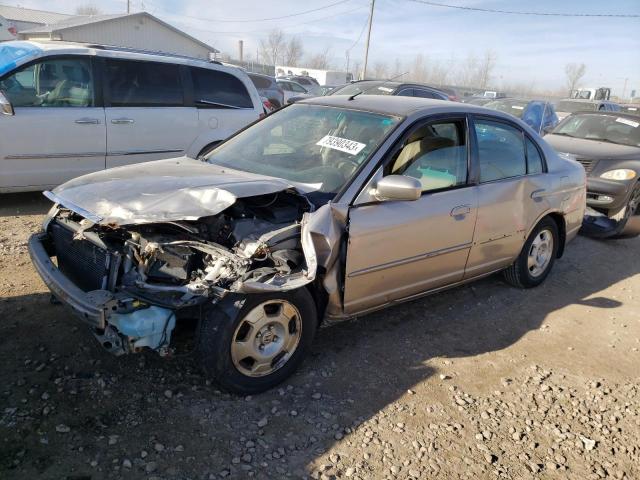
[
  {"x": 69, "y": 109},
  {"x": 292, "y": 89}
]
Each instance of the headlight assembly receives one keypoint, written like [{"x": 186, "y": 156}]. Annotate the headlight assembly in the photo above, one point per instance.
[{"x": 619, "y": 174}]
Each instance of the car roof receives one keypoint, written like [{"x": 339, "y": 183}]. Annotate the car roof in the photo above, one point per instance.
[
  {"x": 50, "y": 47},
  {"x": 398, "y": 105}
]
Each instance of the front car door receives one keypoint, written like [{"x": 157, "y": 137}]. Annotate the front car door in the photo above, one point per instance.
[
  {"x": 58, "y": 130},
  {"x": 398, "y": 249},
  {"x": 146, "y": 114},
  {"x": 511, "y": 193}
]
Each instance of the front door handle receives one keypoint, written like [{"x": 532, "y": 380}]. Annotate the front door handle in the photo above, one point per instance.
[
  {"x": 461, "y": 210},
  {"x": 121, "y": 121},
  {"x": 88, "y": 121}
]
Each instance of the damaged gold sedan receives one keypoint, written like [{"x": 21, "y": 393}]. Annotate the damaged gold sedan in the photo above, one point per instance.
[{"x": 327, "y": 209}]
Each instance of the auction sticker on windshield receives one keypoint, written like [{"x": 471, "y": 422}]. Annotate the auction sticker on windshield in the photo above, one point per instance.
[
  {"x": 626, "y": 121},
  {"x": 343, "y": 144},
  {"x": 385, "y": 89}
]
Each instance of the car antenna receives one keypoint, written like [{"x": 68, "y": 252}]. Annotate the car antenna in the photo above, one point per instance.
[{"x": 377, "y": 86}]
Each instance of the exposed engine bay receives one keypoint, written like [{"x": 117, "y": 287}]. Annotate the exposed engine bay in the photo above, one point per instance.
[{"x": 151, "y": 271}]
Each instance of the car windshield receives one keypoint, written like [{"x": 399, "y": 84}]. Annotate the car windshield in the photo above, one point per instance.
[
  {"x": 12, "y": 53},
  {"x": 604, "y": 128},
  {"x": 321, "y": 147},
  {"x": 368, "y": 88},
  {"x": 514, "y": 107},
  {"x": 571, "y": 107}
]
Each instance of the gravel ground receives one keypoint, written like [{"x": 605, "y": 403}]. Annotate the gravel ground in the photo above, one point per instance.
[{"x": 482, "y": 381}]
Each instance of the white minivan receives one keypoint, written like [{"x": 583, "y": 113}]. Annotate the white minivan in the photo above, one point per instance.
[{"x": 69, "y": 109}]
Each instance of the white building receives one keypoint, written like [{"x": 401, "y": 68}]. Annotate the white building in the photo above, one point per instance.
[{"x": 136, "y": 30}]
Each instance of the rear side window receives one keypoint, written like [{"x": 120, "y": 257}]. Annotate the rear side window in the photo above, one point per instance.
[
  {"x": 260, "y": 82},
  {"x": 215, "y": 89},
  {"x": 534, "y": 159},
  {"x": 500, "y": 151},
  {"x": 144, "y": 84},
  {"x": 418, "y": 92}
]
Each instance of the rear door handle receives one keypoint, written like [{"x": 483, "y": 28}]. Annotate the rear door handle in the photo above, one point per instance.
[
  {"x": 88, "y": 121},
  {"x": 121, "y": 121},
  {"x": 538, "y": 195},
  {"x": 461, "y": 210}
]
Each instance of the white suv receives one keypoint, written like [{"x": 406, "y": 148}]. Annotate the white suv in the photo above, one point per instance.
[{"x": 69, "y": 109}]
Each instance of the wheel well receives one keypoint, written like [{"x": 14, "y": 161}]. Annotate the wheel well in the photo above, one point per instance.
[{"x": 562, "y": 231}]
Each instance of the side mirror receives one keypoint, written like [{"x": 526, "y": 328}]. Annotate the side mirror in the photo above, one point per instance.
[
  {"x": 5, "y": 105},
  {"x": 398, "y": 187}
]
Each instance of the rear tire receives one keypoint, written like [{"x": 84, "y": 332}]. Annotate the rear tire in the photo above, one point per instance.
[
  {"x": 537, "y": 256},
  {"x": 251, "y": 348}
]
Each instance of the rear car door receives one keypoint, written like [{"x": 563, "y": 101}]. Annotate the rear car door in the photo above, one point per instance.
[
  {"x": 147, "y": 118},
  {"x": 398, "y": 249},
  {"x": 58, "y": 130},
  {"x": 511, "y": 193}
]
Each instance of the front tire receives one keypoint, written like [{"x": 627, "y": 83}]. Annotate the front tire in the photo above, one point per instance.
[
  {"x": 537, "y": 256},
  {"x": 255, "y": 347}
]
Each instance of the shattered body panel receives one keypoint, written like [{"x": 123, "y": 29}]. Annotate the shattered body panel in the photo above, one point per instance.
[{"x": 185, "y": 234}]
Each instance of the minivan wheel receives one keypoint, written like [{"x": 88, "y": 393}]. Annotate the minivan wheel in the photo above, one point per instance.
[
  {"x": 252, "y": 348},
  {"x": 537, "y": 256}
]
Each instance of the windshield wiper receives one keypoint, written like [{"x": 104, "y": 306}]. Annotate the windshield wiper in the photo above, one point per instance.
[
  {"x": 564, "y": 134},
  {"x": 216, "y": 104}
]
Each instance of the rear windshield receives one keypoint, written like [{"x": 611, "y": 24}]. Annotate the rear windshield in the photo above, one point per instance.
[
  {"x": 571, "y": 107},
  {"x": 368, "y": 88},
  {"x": 15, "y": 53},
  {"x": 514, "y": 107}
]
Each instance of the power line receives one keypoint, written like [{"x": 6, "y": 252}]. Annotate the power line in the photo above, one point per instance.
[
  {"x": 366, "y": 22},
  {"x": 514, "y": 12},
  {"x": 280, "y": 28},
  {"x": 246, "y": 20}
]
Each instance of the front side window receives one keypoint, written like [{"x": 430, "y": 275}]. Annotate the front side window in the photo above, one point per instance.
[
  {"x": 500, "y": 151},
  {"x": 62, "y": 82},
  {"x": 143, "y": 84},
  {"x": 218, "y": 89},
  {"x": 319, "y": 146},
  {"x": 435, "y": 154}
]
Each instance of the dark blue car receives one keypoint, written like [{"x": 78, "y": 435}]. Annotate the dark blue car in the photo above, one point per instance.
[{"x": 538, "y": 114}]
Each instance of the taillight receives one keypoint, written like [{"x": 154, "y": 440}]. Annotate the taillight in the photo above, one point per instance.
[
  {"x": 453, "y": 98},
  {"x": 268, "y": 105}
]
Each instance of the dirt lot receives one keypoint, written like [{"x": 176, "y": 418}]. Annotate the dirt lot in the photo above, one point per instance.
[{"x": 482, "y": 381}]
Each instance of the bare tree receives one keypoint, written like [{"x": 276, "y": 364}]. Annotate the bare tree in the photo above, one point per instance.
[
  {"x": 397, "y": 68},
  {"x": 272, "y": 48},
  {"x": 418, "y": 70},
  {"x": 319, "y": 61},
  {"x": 574, "y": 73},
  {"x": 292, "y": 52},
  {"x": 380, "y": 70},
  {"x": 88, "y": 10},
  {"x": 487, "y": 64}
]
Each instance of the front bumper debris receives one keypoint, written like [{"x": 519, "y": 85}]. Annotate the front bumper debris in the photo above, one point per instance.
[{"x": 90, "y": 307}]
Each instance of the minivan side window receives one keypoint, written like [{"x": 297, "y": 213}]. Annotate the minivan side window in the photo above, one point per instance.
[
  {"x": 55, "y": 82},
  {"x": 143, "y": 84},
  {"x": 215, "y": 89},
  {"x": 500, "y": 150}
]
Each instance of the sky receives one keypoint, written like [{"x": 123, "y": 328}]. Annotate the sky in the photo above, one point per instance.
[{"x": 531, "y": 50}]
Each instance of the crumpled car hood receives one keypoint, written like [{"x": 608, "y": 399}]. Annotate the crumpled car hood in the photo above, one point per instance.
[{"x": 160, "y": 191}]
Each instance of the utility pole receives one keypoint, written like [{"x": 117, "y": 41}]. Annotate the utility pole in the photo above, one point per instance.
[
  {"x": 366, "y": 48},
  {"x": 128, "y": 6},
  {"x": 624, "y": 89}
]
